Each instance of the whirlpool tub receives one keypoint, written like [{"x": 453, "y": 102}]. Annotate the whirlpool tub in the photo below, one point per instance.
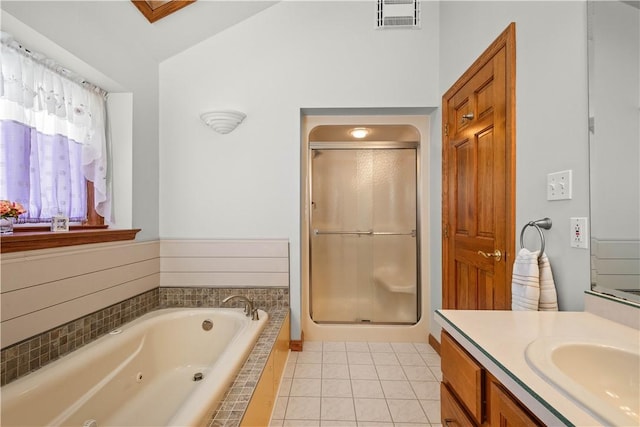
[{"x": 170, "y": 367}]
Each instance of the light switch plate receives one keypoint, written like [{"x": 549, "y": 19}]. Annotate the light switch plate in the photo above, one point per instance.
[
  {"x": 579, "y": 233},
  {"x": 559, "y": 185}
]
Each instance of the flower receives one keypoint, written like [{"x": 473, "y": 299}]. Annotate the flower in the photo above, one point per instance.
[{"x": 10, "y": 209}]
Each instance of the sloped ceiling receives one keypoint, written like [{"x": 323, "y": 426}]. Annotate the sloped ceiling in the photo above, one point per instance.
[{"x": 121, "y": 20}]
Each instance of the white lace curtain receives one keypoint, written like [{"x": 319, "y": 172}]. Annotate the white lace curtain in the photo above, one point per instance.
[{"x": 52, "y": 101}]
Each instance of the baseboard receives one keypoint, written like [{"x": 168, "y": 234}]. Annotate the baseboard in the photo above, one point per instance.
[
  {"x": 296, "y": 345},
  {"x": 434, "y": 343}
]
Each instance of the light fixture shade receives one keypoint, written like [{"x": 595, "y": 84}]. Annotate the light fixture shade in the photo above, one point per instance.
[{"x": 223, "y": 121}]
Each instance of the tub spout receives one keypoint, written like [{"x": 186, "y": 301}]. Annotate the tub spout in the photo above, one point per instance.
[{"x": 248, "y": 306}]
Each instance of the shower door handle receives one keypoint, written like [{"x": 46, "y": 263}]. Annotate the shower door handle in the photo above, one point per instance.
[{"x": 355, "y": 232}]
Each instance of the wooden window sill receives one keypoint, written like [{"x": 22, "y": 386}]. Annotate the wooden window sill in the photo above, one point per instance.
[{"x": 39, "y": 238}]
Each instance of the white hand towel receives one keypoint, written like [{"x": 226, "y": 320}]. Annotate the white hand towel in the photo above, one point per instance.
[
  {"x": 525, "y": 281},
  {"x": 548, "y": 296}
]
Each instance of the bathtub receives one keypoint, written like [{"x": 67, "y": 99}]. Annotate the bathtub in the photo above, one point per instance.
[{"x": 145, "y": 373}]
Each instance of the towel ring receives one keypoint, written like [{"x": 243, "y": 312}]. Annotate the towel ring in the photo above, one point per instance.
[{"x": 541, "y": 223}]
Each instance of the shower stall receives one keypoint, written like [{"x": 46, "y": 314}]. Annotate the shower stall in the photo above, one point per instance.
[{"x": 363, "y": 232}]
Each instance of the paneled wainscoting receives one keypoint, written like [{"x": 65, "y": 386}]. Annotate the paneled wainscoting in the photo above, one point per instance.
[
  {"x": 224, "y": 263},
  {"x": 55, "y": 300},
  {"x": 45, "y": 288}
]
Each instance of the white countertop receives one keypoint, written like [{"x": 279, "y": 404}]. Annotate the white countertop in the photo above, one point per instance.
[{"x": 498, "y": 340}]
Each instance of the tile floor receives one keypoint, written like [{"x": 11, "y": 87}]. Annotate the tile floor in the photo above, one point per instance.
[{"x": 360, "y": 384}]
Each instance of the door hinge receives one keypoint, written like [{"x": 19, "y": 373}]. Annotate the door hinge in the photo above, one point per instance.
[
  {"x": 445, "y": 231},
  {"x": 446, "y": 129}
]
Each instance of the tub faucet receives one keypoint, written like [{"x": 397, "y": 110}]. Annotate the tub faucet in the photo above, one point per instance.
[{"x": 248, "y": 306}]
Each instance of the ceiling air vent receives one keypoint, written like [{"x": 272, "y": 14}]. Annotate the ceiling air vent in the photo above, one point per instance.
[{"x": 398, "y": 13}]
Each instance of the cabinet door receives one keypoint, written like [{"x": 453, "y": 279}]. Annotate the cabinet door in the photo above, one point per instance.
[
  {"x": 464, "y": 375},
  {"x": 504, "y": 411},
  {"x": 451, "y": 412}
]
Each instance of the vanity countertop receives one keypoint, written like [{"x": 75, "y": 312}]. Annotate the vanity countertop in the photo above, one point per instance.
[{"x": 499, "y": 339}]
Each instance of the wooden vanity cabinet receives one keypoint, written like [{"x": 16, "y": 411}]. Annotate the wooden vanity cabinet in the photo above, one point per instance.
[{"x": 471, "y": 396}]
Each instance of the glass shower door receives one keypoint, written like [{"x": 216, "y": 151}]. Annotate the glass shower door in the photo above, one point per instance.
[{"x": 363, "y": 236}]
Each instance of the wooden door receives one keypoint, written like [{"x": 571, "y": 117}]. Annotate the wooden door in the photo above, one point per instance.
[{"x": 478, "y": 168}]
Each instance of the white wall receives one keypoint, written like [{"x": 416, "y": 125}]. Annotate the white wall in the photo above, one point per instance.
[
  {"x": 551, "y": 111},
  {"x": 293, "y": 55}
]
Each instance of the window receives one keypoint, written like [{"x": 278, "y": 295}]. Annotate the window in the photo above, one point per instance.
[
  {"x": 53, "y": 141},
  {"x": 53, "y": 152}
]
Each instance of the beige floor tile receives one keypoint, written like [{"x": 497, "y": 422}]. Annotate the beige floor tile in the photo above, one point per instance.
[
  {"x": 312, "y": 346},
  {"x": 335, "y": 371},
  {"x": 337, "y": 408},
  {"x": 308, "y": 370},
  {"x": 385, "y": 359},
  {"x": 357, "y": 346},
  {"x": 397, "y": 390},
  {"x": 359, "y": 358},
  {"x": 336, "y": 388},
  {"x": 411, "y": 359},
  {"x": 279, "y": 408},
  {"x": 334, "y": 357},
  {"x": 426, "y": 390},
  {"x": 360, "y": 384},
  {"x": 432, "y": 410},
  {"x": 371, "y": 410},
  {"x": 285, "y": 387},
  {"x": 363, "y": 372},
  {"x": 334, "y": 423},
  {"x": 303, "y": 408},
  {"x": 310, "y": 357},
  {"x": 431, "y": 359},
  {"x": 406, "y": 411},
  {"x": 334, "y": 346},
  {"x": 367, "y": 388},
  {"x": 374, "y": 424},
  {"x": 403, "y": 347},
  {"x": 309, "y": 387},
  {"x": 301, "y": 423},
  {"x": 418, "y": 373},
  {"x": 389, "y": 372},
  {"x": 380, "y": 347}
]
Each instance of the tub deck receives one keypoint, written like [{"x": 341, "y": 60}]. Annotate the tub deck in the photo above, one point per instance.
[{"x": 237, "y": 398}]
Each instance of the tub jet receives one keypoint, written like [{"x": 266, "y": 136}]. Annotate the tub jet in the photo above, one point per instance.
[
  {"x": 198, "y": 376},
  {"x": 207, "y": 325}
]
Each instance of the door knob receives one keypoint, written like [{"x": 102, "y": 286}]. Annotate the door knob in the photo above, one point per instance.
[{"x": 496, "y": 254}]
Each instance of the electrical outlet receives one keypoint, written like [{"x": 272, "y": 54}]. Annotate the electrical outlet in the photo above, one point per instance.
[
  {"x": 579, "y": 233},
  {"x": 559, "y": 185}
]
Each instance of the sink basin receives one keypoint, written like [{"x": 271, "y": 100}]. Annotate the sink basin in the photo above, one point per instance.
[{"x": 604, "y": 378}]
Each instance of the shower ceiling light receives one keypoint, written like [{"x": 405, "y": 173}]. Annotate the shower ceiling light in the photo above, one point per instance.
[{"x": 359, "y": 132}]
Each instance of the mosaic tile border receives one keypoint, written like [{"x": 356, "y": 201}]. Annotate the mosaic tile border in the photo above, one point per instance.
[
  {"x": 231, "y": 409},
  {"x": 264, "y": 298},
  {"x": 33, "y": 353}
]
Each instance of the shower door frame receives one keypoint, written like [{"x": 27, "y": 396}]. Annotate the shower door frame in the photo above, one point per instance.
[{"x": 364, "y": 145}]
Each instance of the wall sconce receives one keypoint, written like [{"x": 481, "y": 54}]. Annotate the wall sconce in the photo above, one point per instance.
[{"x": 223, "y": 121}]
